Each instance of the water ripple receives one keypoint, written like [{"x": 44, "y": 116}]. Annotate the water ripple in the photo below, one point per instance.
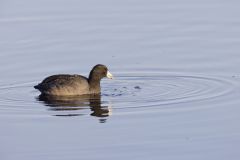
[
  {"x": 159, "y": 90},
  {"x": 127, "y": 93}
]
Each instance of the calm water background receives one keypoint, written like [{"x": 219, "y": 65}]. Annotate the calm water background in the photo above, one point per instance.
[{"x": 176, "y": 91}]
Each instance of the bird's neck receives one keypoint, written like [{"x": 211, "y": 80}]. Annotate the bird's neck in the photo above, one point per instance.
[{"x": 94, "y": 84}]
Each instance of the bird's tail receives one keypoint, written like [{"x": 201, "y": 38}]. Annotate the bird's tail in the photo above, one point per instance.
[{"x": 37, "y": 86}]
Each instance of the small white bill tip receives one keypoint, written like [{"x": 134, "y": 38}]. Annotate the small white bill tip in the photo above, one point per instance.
[{"x": 109, "y": 75}]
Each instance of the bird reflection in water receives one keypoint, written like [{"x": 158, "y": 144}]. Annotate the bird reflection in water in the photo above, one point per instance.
[{"x": 66, "y": 104}]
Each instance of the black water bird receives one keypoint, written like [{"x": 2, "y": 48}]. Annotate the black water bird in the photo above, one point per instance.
[{"x": 74, "y": 85}]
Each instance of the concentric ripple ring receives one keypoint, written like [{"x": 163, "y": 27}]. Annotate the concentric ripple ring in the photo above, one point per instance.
[{"x": 140, "y": 91}]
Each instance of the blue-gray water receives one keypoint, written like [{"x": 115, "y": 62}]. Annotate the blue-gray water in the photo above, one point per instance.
[{"x": 176, "y": 90}]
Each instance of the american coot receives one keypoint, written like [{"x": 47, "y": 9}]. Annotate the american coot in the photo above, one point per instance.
[{"x": 73, "y": 85}]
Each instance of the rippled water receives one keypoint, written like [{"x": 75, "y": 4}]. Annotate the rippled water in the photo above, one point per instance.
[{"x": 176, "y": 89}]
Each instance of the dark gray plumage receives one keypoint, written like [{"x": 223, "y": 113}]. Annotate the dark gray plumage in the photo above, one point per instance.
[{"x": 73, "y": 85}]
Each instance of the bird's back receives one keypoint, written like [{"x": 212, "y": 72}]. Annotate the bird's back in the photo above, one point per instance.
[{"x": 64, "y": 84}]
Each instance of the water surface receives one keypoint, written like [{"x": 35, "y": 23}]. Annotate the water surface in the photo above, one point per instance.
[{"x": 176, "y": 89}]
